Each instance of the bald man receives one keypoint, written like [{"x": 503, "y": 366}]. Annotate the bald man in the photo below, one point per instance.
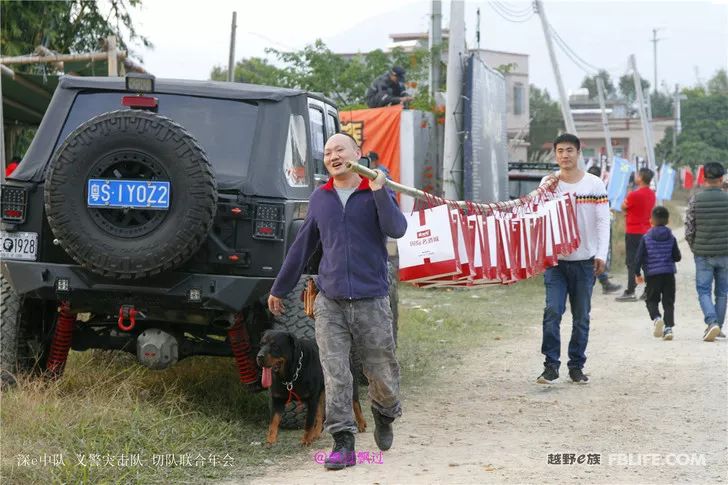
[{"x": 351, "y": 217}]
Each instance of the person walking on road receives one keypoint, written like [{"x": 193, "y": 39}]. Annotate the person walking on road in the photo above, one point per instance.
[
  {"x": 657, "y": 254},
  {"x": 351, "y": 217},
  {"x": 637, "y": 207},
  {"x": 574, "y": 275},
  {"x": 706, "y": 232}
]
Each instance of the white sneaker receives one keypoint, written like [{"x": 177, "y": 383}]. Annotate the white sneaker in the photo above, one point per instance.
[
  {"x": 711, "y": 332},
  {"x": 659, "y": 326}
]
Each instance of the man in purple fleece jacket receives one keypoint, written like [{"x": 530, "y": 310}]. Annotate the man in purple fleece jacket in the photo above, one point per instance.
[{"x": 351, "y": 217}]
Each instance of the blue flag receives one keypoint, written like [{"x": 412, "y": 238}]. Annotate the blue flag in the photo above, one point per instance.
[
  {"x": 618, "y": 182},
  {"x": 667, "y": 182}
]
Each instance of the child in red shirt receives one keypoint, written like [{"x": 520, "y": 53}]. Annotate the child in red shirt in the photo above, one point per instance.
[{"x": 637, "y": 207}]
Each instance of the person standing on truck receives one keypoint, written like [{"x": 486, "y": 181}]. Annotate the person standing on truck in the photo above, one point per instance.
[{"x": 351, "y": 218}]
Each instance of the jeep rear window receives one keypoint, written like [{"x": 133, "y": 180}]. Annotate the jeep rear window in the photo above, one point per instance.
[{"x": 223, "y": 127}]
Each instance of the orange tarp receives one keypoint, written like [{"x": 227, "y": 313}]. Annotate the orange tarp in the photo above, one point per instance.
[{"x": 377, "y": 130}]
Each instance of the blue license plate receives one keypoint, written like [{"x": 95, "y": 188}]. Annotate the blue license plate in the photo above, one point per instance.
[{"x": 138, "y": 194}]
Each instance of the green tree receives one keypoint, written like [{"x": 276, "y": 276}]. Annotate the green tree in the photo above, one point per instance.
[
  {"x": 704, "y": 120},
  {"x": 253, "y": 71},
  {"x": 317, "y": 68},
  {"x": 546, "y": 121},
  {"x": 590, "y": 83},
  {"x": 66, "y": 26},
  {"x": 719, "y": 83},
  {"x": 626, "y": 87},
  {"x": 661, "y": 104}
]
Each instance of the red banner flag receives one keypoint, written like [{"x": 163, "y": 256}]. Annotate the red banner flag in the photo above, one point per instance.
[
  {"x": 377, "y": 130},
  {"x": 688, "y": 178},
  {"x": 701, "y": 176}
]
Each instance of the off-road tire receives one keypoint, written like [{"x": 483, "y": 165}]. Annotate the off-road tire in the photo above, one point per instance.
[
  {"x": 23, "y": 346},
  {"x": 296, "y": 321},
  {"x": 121, "y": 243}
]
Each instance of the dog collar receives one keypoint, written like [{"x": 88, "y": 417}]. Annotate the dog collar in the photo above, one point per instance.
[{"x": 289, "y": 385}]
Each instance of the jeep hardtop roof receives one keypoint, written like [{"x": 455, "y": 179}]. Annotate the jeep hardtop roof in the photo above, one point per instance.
[
  {"x": 216, "y": 89},
  {"x": 265, "y": 145}
]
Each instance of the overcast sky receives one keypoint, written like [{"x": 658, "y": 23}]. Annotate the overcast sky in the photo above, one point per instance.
[{"x": 191, "y": 37}]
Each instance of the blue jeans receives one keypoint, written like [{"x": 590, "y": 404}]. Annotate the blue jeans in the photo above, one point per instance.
[
  {"x": 708, "y": 269},
  {"x": 575, "y": 279}
]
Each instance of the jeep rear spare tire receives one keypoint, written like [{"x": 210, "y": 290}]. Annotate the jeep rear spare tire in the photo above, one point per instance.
[
  {"x": 130, "y": 151},
  {"x": 295, "y": 321}
]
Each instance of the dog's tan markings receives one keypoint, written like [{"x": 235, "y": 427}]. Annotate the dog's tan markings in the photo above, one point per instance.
[
  {"x": 318, "y": 424},
  {"x": 273, "y": 429},
  {"x": 361, "y": 423}
]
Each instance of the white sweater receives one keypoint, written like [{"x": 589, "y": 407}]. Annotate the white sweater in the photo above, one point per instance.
[{"x": 592, "y": 217}]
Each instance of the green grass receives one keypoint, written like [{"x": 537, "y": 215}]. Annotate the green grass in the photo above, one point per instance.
[{"x": 107, "y": 405}]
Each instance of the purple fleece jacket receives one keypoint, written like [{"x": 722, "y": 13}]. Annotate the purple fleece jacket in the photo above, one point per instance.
[{"x": 353, "y": 239}]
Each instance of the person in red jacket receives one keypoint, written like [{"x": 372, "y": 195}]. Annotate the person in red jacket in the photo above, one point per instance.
[{"x": 637, "y": 207}]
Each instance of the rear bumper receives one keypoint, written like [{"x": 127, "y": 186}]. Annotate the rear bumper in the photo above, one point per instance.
[{"x": 91, "y": 292}]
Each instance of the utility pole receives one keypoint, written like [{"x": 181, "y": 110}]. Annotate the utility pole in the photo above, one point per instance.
[
  {"x": 646, "y": 129},
  {"x": 605, "y": 122},
  {"x": 648, "y": 103},
  {"x": 435, "y": 45},
  {"x": 654, "y": 52},
  {"x": 435, "y": 41},
  {"x": 565, "y": 109},
  {"x": 2, "y": 133},
  {"x": 452, "y": 175},
  {"x": 231, "y": 59}
]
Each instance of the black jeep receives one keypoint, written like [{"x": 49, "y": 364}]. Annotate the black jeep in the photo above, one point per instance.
[{"x": 152, "y": 216}]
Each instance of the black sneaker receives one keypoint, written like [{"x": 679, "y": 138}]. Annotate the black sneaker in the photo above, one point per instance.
[
  {"x": 383, "y": 434},
  {"x": 343, "y": 454},
  {"x": 578, "y": 376},
  {"x": 548, "y": 376},
  {"x": 626, "y": 297},
  {"x": 667, "y": 335},
  {"x": 711, "y": 332},
  {"x": 609, "y": 287}
]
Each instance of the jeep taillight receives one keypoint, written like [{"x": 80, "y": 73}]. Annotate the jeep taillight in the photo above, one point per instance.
[
  {"x": 268, "y": 222},
  {"x": 140, "y": 102},
  {"x": 13, "y": 204}
]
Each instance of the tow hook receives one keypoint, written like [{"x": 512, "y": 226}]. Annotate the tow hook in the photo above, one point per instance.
[{"x": 128, "y": 312}]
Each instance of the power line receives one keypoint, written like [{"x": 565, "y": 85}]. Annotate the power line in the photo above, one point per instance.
[
  {"x": 526, "y": 12},
  {"x": 588, "y": 68},
  {"x": 566, "y": 47},
  {"x": 505, "y": 15}
]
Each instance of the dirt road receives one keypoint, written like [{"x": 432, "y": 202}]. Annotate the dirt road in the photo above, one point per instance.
[{"x": 653, "y": 411}]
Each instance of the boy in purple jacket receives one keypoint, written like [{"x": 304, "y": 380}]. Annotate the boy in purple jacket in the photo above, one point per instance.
[
  {"x": 351, "y": 217},
  {"x": 657, "y": 254}
]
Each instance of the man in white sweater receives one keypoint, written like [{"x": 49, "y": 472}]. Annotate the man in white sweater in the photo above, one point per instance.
[{"x": 576, "y": 273}]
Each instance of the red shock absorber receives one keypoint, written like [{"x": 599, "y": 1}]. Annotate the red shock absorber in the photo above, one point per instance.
[
  {"x": 240, "y": 342},
  {"x": 61, "y": 343}
]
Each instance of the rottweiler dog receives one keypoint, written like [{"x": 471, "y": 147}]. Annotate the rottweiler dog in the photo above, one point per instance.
[{"x": 292, "y": 371}]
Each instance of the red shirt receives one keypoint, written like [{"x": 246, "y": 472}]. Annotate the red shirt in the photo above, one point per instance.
[{"x": 639, "y": 207}]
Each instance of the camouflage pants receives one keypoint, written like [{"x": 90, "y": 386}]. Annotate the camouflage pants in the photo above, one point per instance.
[{"x": 367, "y": 324}]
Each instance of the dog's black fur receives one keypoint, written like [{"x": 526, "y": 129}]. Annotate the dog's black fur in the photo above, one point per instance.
[{"x": 281, "y": 351}]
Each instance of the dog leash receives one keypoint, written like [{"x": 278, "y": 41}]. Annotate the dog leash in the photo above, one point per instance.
[{"x": 289, "y": 385}]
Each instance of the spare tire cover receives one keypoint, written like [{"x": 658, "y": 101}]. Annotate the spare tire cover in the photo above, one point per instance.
[{"x": 130, "y": 145}]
